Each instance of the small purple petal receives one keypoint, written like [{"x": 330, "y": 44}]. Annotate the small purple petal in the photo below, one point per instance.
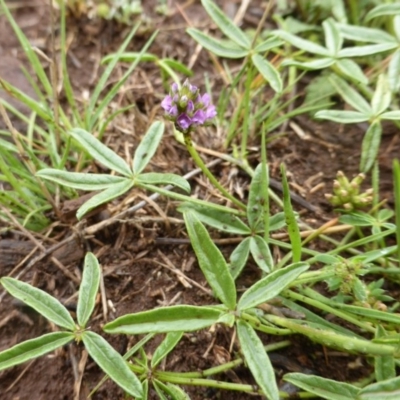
[
  {"x": 190, "y": 106},
  {"x": 199, "y": 117},
  {"x": 184, "y": 121},
  {"x": 173, "y": 111},
  {"x": 174, "y": 87},
  {"x": 211, "y": 112},
  {"x": 206, "y": 99},
  {"x": 167, "y": 103}
]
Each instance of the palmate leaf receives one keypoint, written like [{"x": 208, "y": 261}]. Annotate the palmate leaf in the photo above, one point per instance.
[
  {"x": 88, "y": 289},
  {"x": 333, "y": 39},
  {"x": 303, "y": 44},
  {"x": 239, "y": 257},
  {"x": 100, "y": 152},
  {"x": 34, "y": 348},
  {"x": 351, "y": 69},
  {"x": 40, "y": 301},
  {"x": 322, "y": 387},
  {"x": 257, "y": 360},
  {"x": 165, "y": 319},
  {"x": 382, "y": 96},
  {"x": 112, "y": 363},
  {"x": 147, "y": 147}
]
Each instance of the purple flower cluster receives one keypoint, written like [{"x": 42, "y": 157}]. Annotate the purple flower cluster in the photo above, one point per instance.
[{"x": 187, "y": 107}]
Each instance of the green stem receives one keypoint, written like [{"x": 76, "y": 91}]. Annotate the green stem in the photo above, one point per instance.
[
  {"x": 256, "y": 324},
  {"x": 199, "y": 162},
  {"x": 323, "y": 306}
]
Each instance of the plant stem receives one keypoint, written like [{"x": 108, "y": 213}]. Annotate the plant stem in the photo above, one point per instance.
[{"x": 199, "y": 162}]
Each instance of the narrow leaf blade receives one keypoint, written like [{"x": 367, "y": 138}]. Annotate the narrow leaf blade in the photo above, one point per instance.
[
  {"x": 33, "y": 348},
  {"x": 165, "y": 347},
  {"x": 88, "y": 289},
  {"x": 112, "y": 363},
  {"x": 78, "y": 180},
  {"x": 165, "y": 319},
  {"x": 270, "y": 286},
  {"x": 325, "y": 388},
  {"x": 257, "y": 360},
  {"x": 225, "y": 24},
  {"x": 269, "y": 72},
  {"x": 105, "y": 196},
  {"x": 211, "y": 261},
  {"x": 370, "y": 146},
  {"x": 217, "y": 47},
  {"x": 147, "y": 147},
  {"x": 40, "y": 301},
  {"x": 100, "y": 152},
  {"x": 155, "y": 178}
]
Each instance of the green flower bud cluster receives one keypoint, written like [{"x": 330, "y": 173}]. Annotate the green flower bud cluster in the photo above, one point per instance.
[{"x": 347, "y": 194}]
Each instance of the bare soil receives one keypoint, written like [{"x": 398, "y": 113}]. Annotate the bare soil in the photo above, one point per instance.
[{"x": 144, "y": 264}]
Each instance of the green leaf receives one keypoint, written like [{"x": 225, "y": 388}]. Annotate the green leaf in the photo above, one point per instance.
[
  {"x": 165, "y": 319},
  {"x": 40, "y": 301},
  {"x": 174, "y": 392},
  {"x": 100, "y": 152},
  {"x": 363, "y": 51},
  {"x": 165, "y": 347},
  {"x": 383, "y": 9},
  {"x": 155, "y": 178},
  {"x": 322, "y": 387},
  {"x": 239, "y": 257},
  {"x": 370, "y": 146},
  {"x": 268, "y": 71},
  {"x": 147, "y": 147},
  {"x": 225, "y": 24},
  {"x": 277, "y": 221},
  {"x": 256, "y": 198},
  {"x": 290, "y": 217},
  {"x": 261, "y": 254},
  {"x": 217, "y": 47},
  {"x": 384, "y": 390},
  {"x": 396, "y": 195},
  {"x": 342, "y": 117},
  {"x": 394, "y": 71},
  {"x": 211, "y": 261},
  {"x": 357, "y": 218},
  {"x": 88, "y": 289},
  {"x": 270, "y": 286},
  {"x": 79, "y": 180},
  {"x": 33, "y": 348},
  {"x": 257, "y": 360},
  {"x": 112, "y": 363},
  {"x": 385, "y": 367},
  {"x": 364, "y": 34},
  {"x": 333, "y": 39},
  {"x": 350, "y": 96},
  {"x": 351, "y": 69},
  {"x": 105, "y": 196},
  {"x": 268, "y": 44},
  {"x": 382, "y": 96},
  {"x": 391, "y": 115},
  {"x": 320, "y": 63},
  {"x": 303, "y": 44},
  {"x": 223, "y": 221},
  {"x": 176, "y": 65}
]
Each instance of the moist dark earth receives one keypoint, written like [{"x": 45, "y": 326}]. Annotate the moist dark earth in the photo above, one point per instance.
[{"x": 146, "y": 259}]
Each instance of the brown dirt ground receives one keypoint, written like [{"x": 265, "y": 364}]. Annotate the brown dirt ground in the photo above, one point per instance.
[{"x": 139, "y": 255}]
